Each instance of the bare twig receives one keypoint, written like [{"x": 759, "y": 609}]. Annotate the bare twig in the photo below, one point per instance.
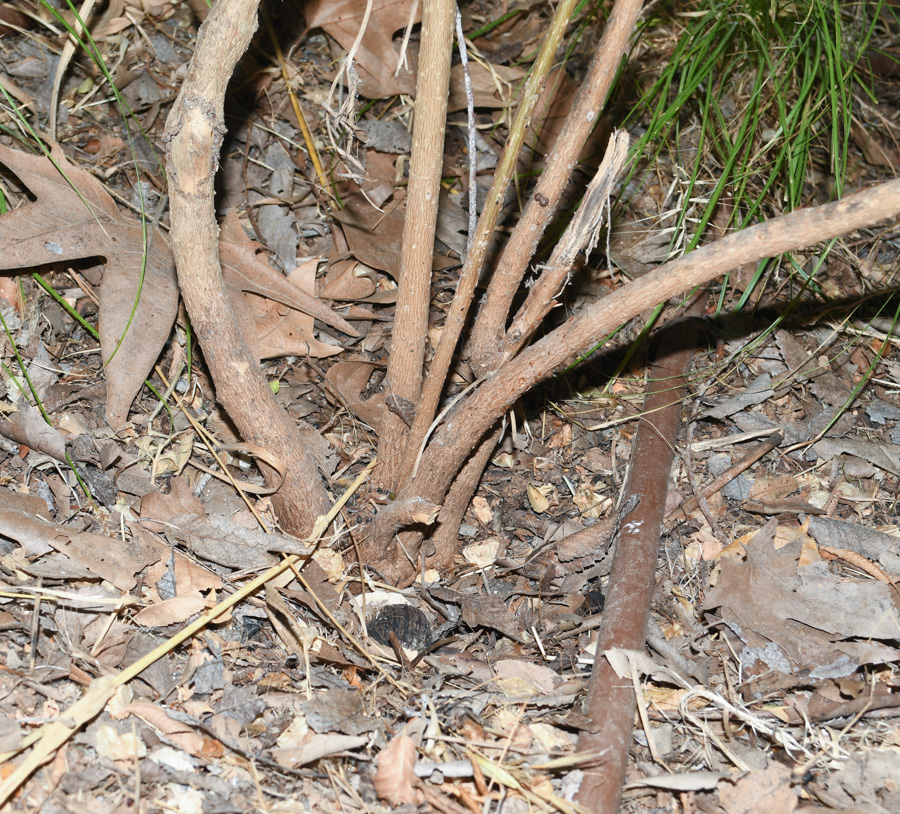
[
  {"x": 490, "y": 324},
  {"x": 690, "y": 505},
  {"x": 581, "y": 234},
  {"x": 470, "y": 121},
  {"x": 478, "y": 246}
]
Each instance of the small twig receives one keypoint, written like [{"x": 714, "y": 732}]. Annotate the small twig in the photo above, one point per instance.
[
  {"x": 860, "y": 562},
  {"x": 490, "y": 323},
  {"x": 690, "y": 505},
  {"x": 484, "y": 232},
  {"x": 406, "y": 364},
  {"x": 470, "y": 119},
  {"x": 581, "y": 235}
]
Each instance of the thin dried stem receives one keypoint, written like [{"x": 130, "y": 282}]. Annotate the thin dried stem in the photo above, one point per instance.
[
  {"x": 478, "y": 245},
  {"x": 580, "y": 235},
  {"x": 404, "y": 375},
  {"x": 490, "y": 326}
]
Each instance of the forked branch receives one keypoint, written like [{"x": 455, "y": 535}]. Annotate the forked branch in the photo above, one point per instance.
[{"x": 455, "y": 441}]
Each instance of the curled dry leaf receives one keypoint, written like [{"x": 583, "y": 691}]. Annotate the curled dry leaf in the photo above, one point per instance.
[
  {"x": 179, "y": 733},
  {"x": 284, "y": 331},
  {"x": 246, "y": 269},
  {"x": 170, "y": 611},
  {"x": 396, "y": 775},
  {"x": 349, "y": 380},
  {"x": 315, "y": 747},
  {"x": 539, "y": 496}
]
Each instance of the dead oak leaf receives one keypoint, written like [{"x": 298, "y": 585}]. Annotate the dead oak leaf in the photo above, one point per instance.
[
  {"x": 348, "y": 380},
  {"x": 72, "y": 218},
  {"x": 377, "y": 57},
  {"x": 807, "y": 612}
]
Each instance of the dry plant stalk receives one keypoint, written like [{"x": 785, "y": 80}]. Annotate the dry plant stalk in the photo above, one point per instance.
[
  {"x": 480, "y": 241},
  {"x": 194, "y": 132},
  {"x": 407, "y": 359},
  {"x": 491, "y": 351},
  {"x": 489, "y": 330}
]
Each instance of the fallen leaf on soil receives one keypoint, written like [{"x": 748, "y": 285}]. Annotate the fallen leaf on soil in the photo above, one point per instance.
[
  {"x": 490, "y": 612},
  {"x": 798, "y": 618},
  {"x": 283, "y": 331},
  {"x": 376, "y": 59},
  {"x": 118, "y": 561},
  {"x": 492, "y": 86},
  {"x": 112, "y": 745},
  {"x": 315, "y": 748},
  {"x": 220, "y": 540},
  {"x": 172, "y": 611},
  {"x": 879, "y": 453},
  {"x": 767, "y": 792},
  {"x": 372, "y": 237},
  {"x": 27, "y": 426},
  {"x": 873, "y": 148},
  {"x": 396, "y": 775},
  {"x": 483, "y": 553},
  {"x": 79, "y": 220},
  {"x": 349, "y": 380},
  {"x": 182, "y": 735},
  {"x": 246, "y": 269},
  {"x": 539, "y": 676},
  {"x": 138, "y": 301}
]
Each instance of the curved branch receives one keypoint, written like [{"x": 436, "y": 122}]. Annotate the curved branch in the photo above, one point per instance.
[
  {"x": 796, "y": 230},
  {"x": 194, "y": 132}
]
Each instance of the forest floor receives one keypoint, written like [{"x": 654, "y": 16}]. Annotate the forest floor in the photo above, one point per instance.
[{"x": 775, "y": 627}]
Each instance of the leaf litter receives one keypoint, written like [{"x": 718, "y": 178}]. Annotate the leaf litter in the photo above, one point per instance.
[{"x": 477, "y": 693}]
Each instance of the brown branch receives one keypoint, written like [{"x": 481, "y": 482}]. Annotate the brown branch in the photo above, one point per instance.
[
  {"x": 490, "y": 325},
  {"x": 610, "y": 700},
  {"x": 484, "y": 231},
  {"x": 579, "y": 233},
  {"x": 404, "y": 374},
  {"x": 691, "y": 505},
  {"x": 796, "y": 230},
  {"x": 194, "y": 132}
]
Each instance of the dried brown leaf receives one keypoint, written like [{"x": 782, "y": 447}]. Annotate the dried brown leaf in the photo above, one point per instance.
[
  {"x": 172, "y": 611},
  {"x": 69, "y": 222},
  {"x": 179, "y": 733},
  {"x": 377, "y": 57},
  {"x": 349, "y": 380},
  {"x": 395, "y": 777}
]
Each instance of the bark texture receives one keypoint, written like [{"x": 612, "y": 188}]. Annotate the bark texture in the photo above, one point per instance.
[{"x": 194, "y": 133}]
